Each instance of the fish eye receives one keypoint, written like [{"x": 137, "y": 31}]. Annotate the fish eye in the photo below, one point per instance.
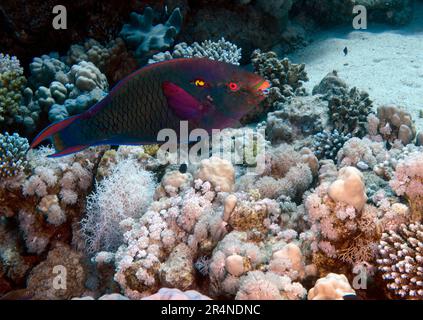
[
  {"x": 200, "y": 83},
  {"x": 233, "y": 86}
]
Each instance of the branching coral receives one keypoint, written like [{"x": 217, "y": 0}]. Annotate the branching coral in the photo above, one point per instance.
[
  {"x": 13, "y": 150},
  {"x": 12, "y": 83},
  {"x": 141, "y": 35},
  {"x": 349, "y": 111},
  {"x": 326, "y": 144},
  {"x": 285, "y": 77},
  {"x": 362, "y": 153},
  {"x": 188, "y": 218},
  {"x": 237, "y": 259},
  {"x": 220, "y": 50},
  {"x": 49, "y": 195},
  {"x": 401, "y": 258}
]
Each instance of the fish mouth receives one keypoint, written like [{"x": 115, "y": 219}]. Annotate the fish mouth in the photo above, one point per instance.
[{"x": 262, "y": 87}]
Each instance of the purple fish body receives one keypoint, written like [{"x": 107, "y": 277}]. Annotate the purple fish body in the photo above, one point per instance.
[{"x": 207, "y": 94}]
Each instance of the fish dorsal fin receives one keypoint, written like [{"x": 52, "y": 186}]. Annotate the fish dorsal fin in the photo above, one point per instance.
[{"x": 184, "y": 105}]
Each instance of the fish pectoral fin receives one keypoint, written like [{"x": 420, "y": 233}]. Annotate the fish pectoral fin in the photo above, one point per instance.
[
  {"x": 69, "y": 150},
  {"x": 184, "y": 105}
]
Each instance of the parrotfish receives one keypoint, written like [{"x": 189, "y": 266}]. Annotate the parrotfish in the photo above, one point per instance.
[{"x": 207, "y": 94}]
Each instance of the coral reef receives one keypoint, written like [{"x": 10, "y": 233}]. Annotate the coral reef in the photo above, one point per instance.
[
  {"x": 297, "y": 119},
  {"x": 285, "y": 77},
  {"x": 220, "y": 50},
  {"x": 349, "y": 111},
  {"x": 124, "y": 193},
  {"x": 332, "y": 287},
  {"x": 326, "y": 144},
  {"x": 12, "y": 155},
  {"x": 146, "y": 38},
  {"x": 176, "y": 294},
  {"x": 401, "y": 259},
  {"x": 345, "y": 226},
  {"x": 407, "y": 181},
  {"x": 391, "y": 124},
  {"x": 317, "y": 186},
  {"x": 85, "y": 86},
  {"x": 12, "y": 82}
]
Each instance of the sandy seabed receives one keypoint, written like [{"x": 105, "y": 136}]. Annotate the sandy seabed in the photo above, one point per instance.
[{"x": 385, "y": 62}]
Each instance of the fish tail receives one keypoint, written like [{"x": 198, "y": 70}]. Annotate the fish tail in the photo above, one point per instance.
[{"x": 62, "y": 134}]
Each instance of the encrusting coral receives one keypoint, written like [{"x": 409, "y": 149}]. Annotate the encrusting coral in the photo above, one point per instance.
[{"x": 332, "y": 287}]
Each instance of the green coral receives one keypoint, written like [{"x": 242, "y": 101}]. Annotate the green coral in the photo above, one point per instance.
[
  {"x": 12, "y": 154},
  {"x": 12, "y": 82}
]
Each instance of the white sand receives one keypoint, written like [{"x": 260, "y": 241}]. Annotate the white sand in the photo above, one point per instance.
[{"x": 386, "y": 63}]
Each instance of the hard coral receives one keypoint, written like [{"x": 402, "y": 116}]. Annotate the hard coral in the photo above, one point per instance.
[
  {"x": 287, "y": 78},
  {"x": 12, "y": 82},
  {"x": 391, "y": 123},
  {"x": 220, "y": 50},
  {"x": 401, "y": 258},
  {"x": 13, "y": 150},
  {"x": 349, "y": 111},
  {"x": 145, "y": 38},
  {"x": 332, "y": 287}
]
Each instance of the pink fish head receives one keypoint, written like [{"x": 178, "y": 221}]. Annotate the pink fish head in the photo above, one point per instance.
[{"x": 218, "y": 93}]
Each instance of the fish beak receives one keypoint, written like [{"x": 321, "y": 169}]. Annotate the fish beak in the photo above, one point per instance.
[{"x": 263, "y": 87}]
